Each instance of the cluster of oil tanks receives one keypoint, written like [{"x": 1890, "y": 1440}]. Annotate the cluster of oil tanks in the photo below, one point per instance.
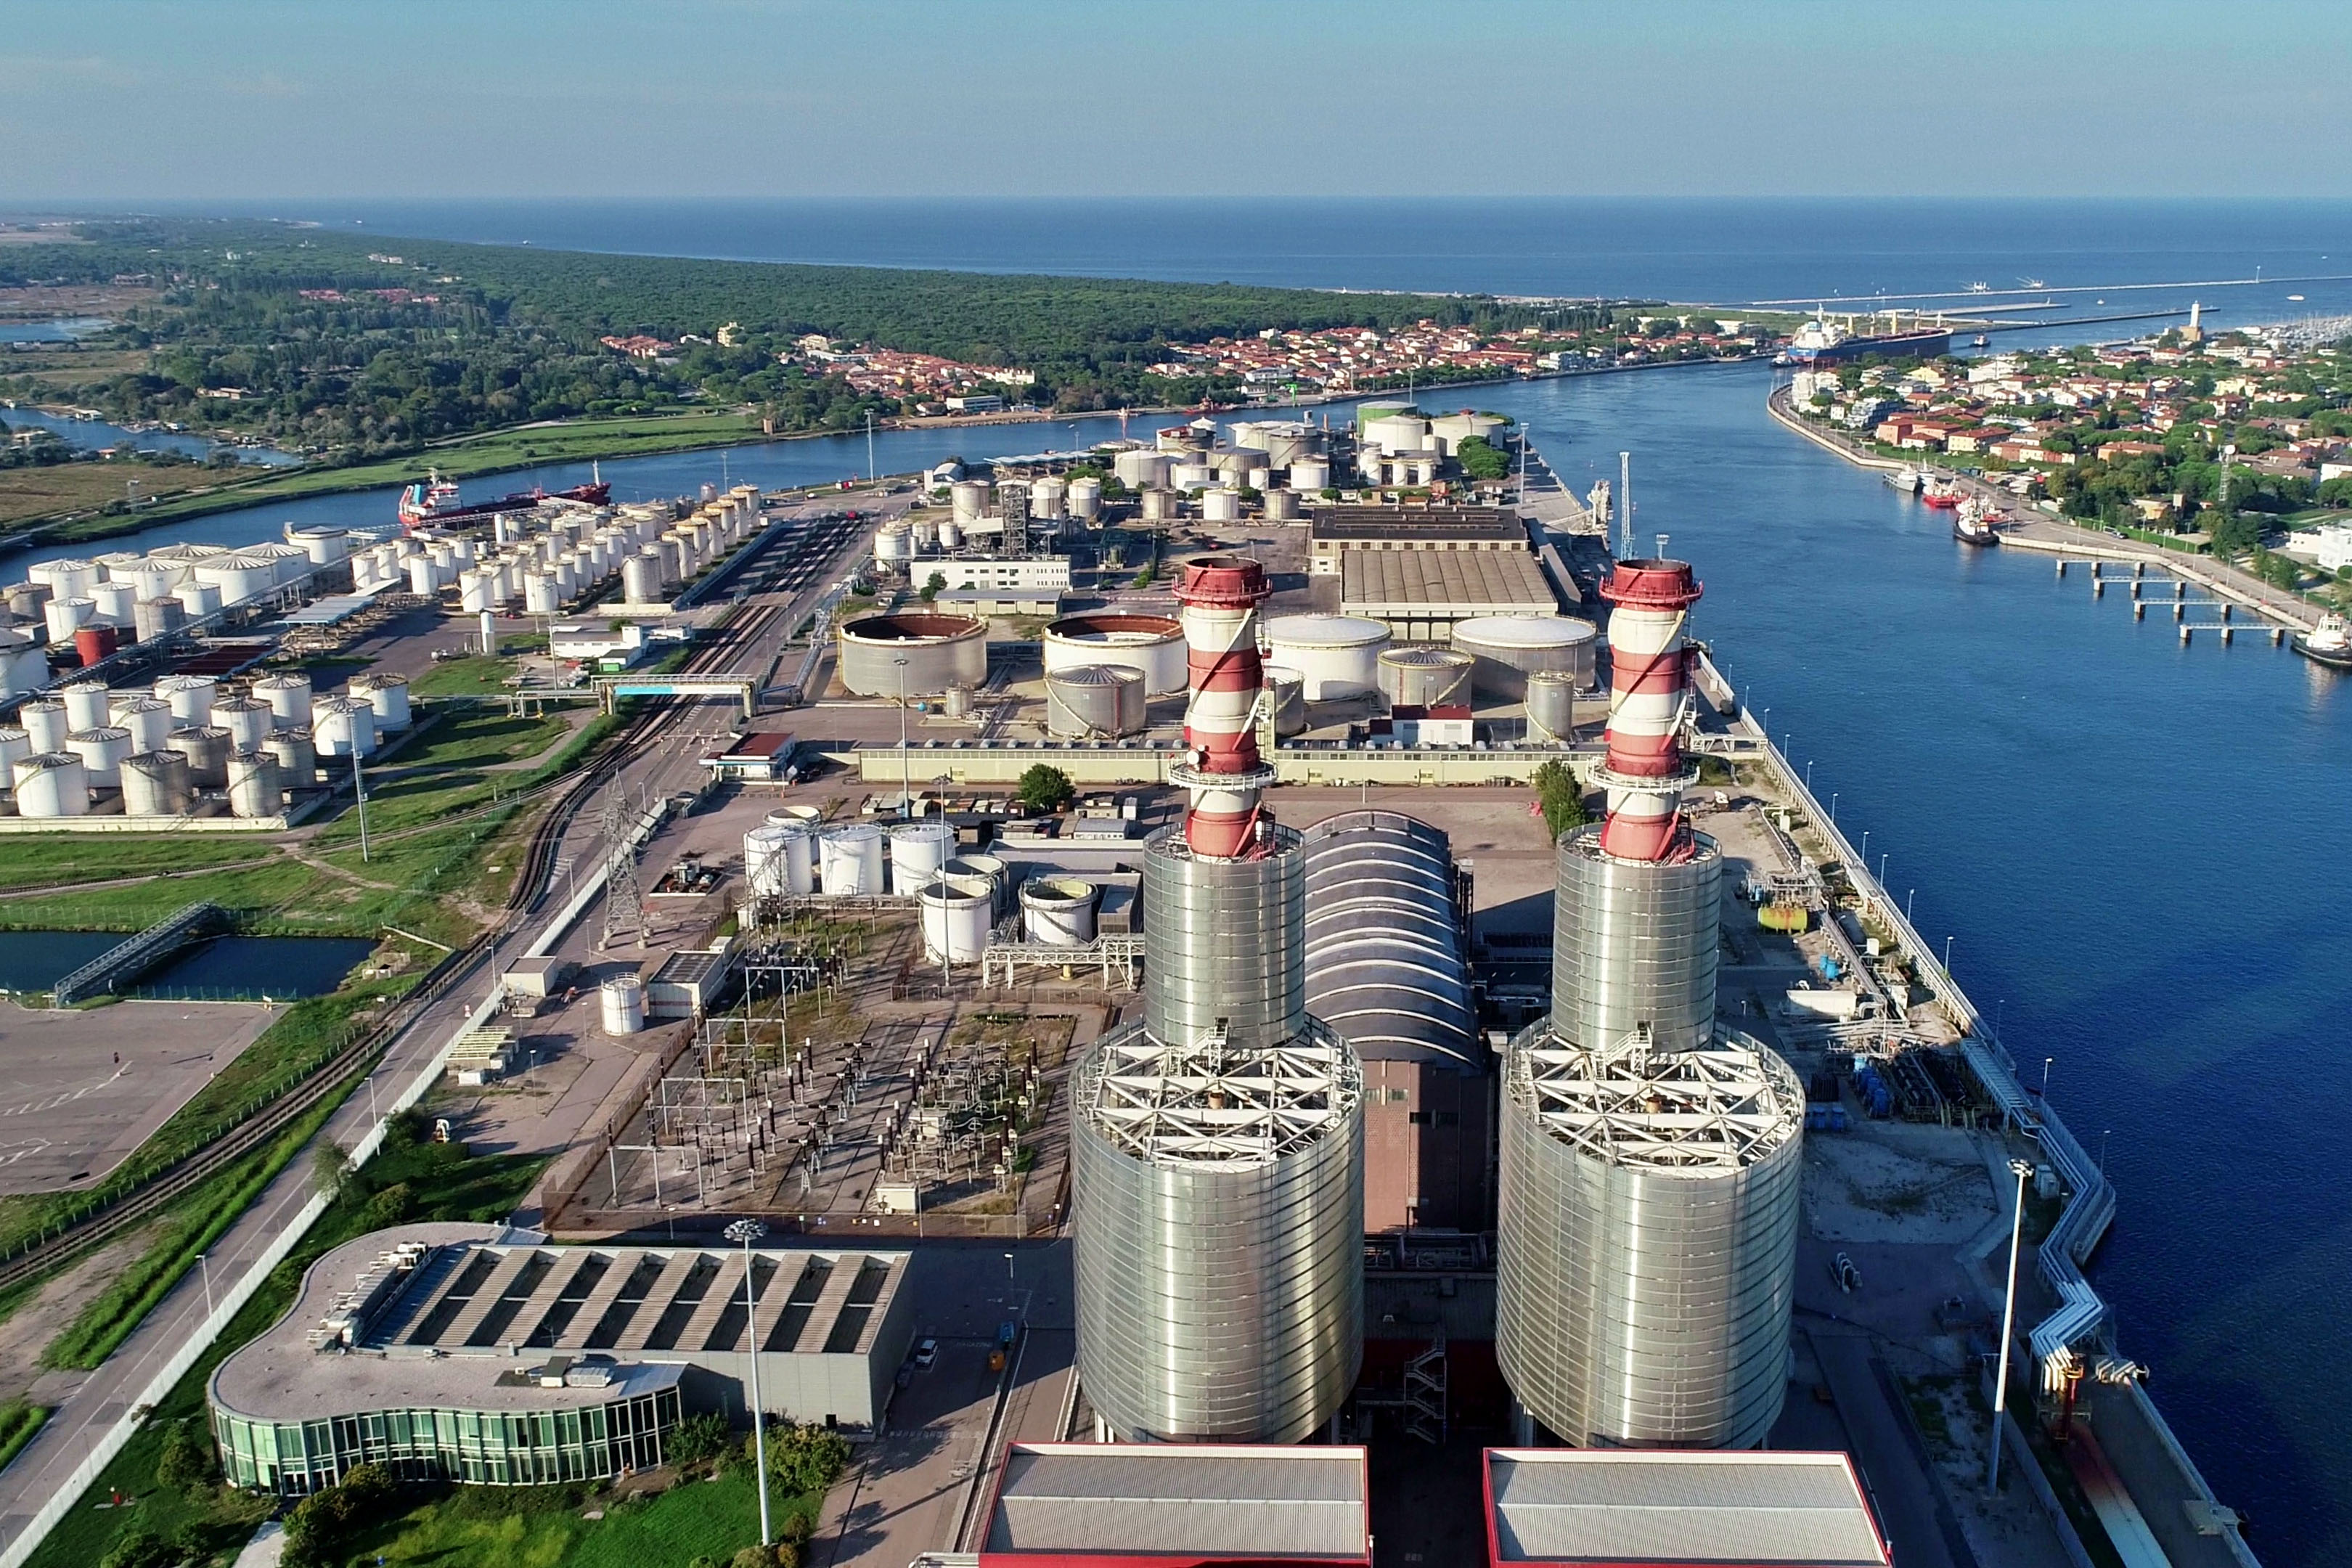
[
  {"x": 961, "y": 899},
  {"x": 114, "y": 600},
  {"x": 162, "y": 747},
  {"x": 559, "y": 555}
]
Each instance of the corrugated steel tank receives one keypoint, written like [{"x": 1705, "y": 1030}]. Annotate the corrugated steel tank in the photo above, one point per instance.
[
  {"x": 1153, "y": 645},
  {"x": 1634, "y": 943},
  {"x": 1227, "y": 943},
  {"x": 1508, "y": 646},
  {"x": 1221, "y": 1295},
  {"x": 1425, "y": 676},
  {"x": 940, "y": 650},
  {"x": 1094, "y": 701}
]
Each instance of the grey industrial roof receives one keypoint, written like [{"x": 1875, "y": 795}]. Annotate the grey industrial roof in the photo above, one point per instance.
[
  {"x": 1136, "y": 1499},
  {"x": 1342, "y": 524},
  {"x": 1384, "y": 963},
  {"x": 1488, "y": 580},
  {"x": 474, "y": 1305},
  {"x": 1623, "y": 1507}
]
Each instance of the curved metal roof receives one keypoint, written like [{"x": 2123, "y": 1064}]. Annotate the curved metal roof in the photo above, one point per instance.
[{"x": 1385, "y": 964}]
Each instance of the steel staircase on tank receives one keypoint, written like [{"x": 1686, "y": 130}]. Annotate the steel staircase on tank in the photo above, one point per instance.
[{"x": 1424, "y": 1394}]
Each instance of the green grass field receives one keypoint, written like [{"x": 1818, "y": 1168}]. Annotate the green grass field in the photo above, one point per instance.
[
  {"x": 438, "y": 1181},
  {"x": 544, "y": 1526},
  {"x": 66, "y": 859}
]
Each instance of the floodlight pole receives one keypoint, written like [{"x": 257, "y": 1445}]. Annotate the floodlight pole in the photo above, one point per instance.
[
  {"x": 748, "y": 1231},
  {"x": 2023, "y": 1168}
]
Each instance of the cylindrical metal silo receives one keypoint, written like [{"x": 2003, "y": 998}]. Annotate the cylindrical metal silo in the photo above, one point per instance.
[
  {"x": 101, "y": 750},
  {"x": 1281, "y": 506},
  {"x": 66, "y": 577},
  {"x": 1228, "y": 944},
  {"x": 1157, "y": 505},
  {"x": 1141, "y": 469},
  {"x": 1508, "y": 646},
  {"x": 253, "y": 786},
  {"x": 939, "y": 651},
  {"x": 288, "y": 696},
  {"x": 295, "y": 756},
  {"x": 46, "y": 720},
  {"x": 387, "y": 694},
  {"x": 1059, "y": 911},
  {"x": 1425, "y": 676},
  {"x": 1635, "y": 945},
  {"x": 641, "y": 579},
  {"x": 1552, "y": 706},
  {"x": 1288, "y": 689},
  {"x": 1221, "y": 505},
  {"x": 191, "y": 697},
  {"x": 63, "y": 617},
  {"x": 148, "y": 720},
  {"x": 956, "y": 915},
  {"x": 116, "y": 604},
  {"x": 86, "y": 704},
  {"x": 1219, "y": 1234},
  {"x": 155, "y": 783},
  {"x": 51, "y": 783},
  {"x": 156, "y": 617},
  {"x": 1085, "y": 499},
  {"x": 198, "y": 598},
  {"x": 917, "y": 851},
  {"x": 764, "y": 862},
  {"x": 968, "y": 501},
  {"x": 247, "y": 720},
  {"x": 206, "y": 747},
  {"x": 15, "y": 747},
  {"x": 341, "y": 727},
  {"x": 850, "y": 858},
  {"x": 1337, "y": 655},
  {"x": 1153, "y": 646},
  {"x": 1094, "y": 701},
  {"x": 623, "y": 1004}
]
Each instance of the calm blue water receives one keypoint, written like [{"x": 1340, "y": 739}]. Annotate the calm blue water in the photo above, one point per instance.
[
  {"x": 2139, "y": 850},
  {"x": 63, "y": 330},
  {"x": 93, "y": 434},
  {"x": 280, "y": 967}
]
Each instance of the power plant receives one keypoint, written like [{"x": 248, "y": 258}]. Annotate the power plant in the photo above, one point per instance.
[
  {"x": 1217, "y": 1174},
  {"x": 1649, "y": 1168}
]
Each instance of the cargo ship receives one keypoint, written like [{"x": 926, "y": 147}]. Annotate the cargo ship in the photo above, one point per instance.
[
  {"x": 432, "y": 503},
  {"x": 1823, "y": 341}
]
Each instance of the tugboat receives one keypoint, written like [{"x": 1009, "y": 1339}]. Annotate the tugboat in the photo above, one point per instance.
[
  {"x": 1972, "y": 524},
  {"x": 435, "y": 504},
  {"x": 1941, "y": 493},
  {"x": 2328, "y": 643}
]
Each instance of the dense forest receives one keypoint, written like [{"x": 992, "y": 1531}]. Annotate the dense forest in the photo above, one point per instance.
[{"x": 351, "y": 347}]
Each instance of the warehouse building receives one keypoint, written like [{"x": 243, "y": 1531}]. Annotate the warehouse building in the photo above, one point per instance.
[
  {"x": 1582, "y": 1508},
  {"x": 1172, "y": 1505},
  {"x": 470, "y": 1352},
  {"x": 1420, "y": 570}
]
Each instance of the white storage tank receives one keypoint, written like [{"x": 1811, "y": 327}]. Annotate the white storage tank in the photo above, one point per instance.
[
  {"x": 1220, "y": 506},
  {"x": 894, "y": 544},
  {"x": 1508, "y": 647},
  {"x": 247, "y": 720},
  {"x": 322, "y": 545},
  {"x": 918, "y": 851},
  {"x": 1151, "y": 646},
  {"x": 1157, "y": 505},
  {"x": 1425, "y": 676},
  {"x": 1287, "y": 689},
  {"x": 207, "y": 748},
  {"x": 47, "y": 721},
  {"x": 1336, "y": 656},
  {"x": 239, "y": 578},
  {"x": 288, "y": 696},
  {"x": 66, "y": 578},
  {"x": 387, "y": 694},
  {"x": 623, "y": 999},
  {"x": 155, "y": 783},
  {"x": 156, "y": 617},
  {"x": 1190, "y": 477},
  {"x": 296, "y": 758},
  {"x": 1281, "y": 506},
  {"x": 1552, "y": 707},
  {"x": 341, "y": 727},
  {"x": 148, "y": 720},
  {"x": 538, "y": 594},
  {"x": 101, "y": 750},
  {"x": 951, "y": 534},
  {"x": 988, "y": 870},
  {"x": 1142, "y": 470},
  {"x": 1059, "y": 911},
  {"x": 1310, "y": 475},
  {"x": 849, "y": 858},
  {"x": 1049, "y": 498},
  {"x": 958, "y": 913},
  {"x": 51, "y": 783},
  {"x": 198, "y": 599},
  {"x": 1085, "y": 497},
  {"x": 253, "y": 787},
  {"x": 116, "y": 604},
  {"x": 86, "y": 703},
  {"x": 641, "y": 579},
  {"x": 15, "y": 747},
  {"x": 191, "y": 697},
  {"x": 63, "y": 617},
  {"x": 425, "y": 575}
]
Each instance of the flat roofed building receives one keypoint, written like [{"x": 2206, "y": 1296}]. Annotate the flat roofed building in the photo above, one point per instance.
[
  {"x": 1177, "y": 1505},
  {"x": 472, "y": 1354},
  {"x": 1421, "y": 594},
  {"x": 1339, "y": 530},
  {"x": 1580, "y": 1508}
]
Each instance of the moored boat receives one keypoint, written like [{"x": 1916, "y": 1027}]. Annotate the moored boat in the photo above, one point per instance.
[{"x": 2328, "y": 643}]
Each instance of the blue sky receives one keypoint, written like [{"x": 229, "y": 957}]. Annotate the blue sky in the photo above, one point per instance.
[{"x": 187, "y": 100}]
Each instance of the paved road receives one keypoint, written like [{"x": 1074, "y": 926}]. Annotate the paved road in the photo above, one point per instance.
[
  {"x": 1899, "y": 1485},
  {"x": 88, "y": 1403}
]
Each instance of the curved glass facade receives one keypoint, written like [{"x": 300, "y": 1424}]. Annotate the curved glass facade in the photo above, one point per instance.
[{"x": 486, "y": 1447}]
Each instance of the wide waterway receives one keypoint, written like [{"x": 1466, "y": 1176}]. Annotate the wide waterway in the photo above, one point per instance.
[{"x": 249, "y": 967}]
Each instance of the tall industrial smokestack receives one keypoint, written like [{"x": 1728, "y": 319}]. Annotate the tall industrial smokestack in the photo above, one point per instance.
[
  {"x": 1649, "y": 683},
  {"x": 1220, "y": 596}
]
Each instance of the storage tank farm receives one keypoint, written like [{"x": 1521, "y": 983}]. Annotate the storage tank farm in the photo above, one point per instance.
[
  {"x": 1649, "y": 1159},
  {"x": 1218, "y": 1181}
]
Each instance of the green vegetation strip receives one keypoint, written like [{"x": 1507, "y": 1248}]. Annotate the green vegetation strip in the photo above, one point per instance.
[
  {"x": 18, "y": 1422},
  {"x": 412, "y": 1179}
]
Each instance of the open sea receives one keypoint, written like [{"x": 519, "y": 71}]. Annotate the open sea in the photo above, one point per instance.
[{"x": 2139, "y": 850}]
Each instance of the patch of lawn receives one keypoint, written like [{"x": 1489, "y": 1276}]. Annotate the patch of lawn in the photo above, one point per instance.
[
  {"x": 265, "y": 880},
  {"x": 473, "y": 677},
  {"x": 48, "y": 859},
  {"x": 18, "y": 1422},
  {"x": 543, "y": 1527}
]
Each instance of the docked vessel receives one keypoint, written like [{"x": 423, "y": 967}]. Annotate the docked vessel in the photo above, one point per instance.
[
  {"x": 1823, "y": 341},
  {"x": 1972, "y": 523},
  {"x": 1908, "y": 481},
  {"x": 1941, "y": 493},
  {"x": 2328, "y": 643},
  {"x": 433, "y": 502}
]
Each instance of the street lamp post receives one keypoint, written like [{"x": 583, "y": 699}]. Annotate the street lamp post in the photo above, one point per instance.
[
  {"x": 1833, "y": 794},
  {"x": 1948, "y": 955},
  {"x": 905, "y": 785},
  {"x": 748, "y": 1231},
  {"x": 2022, "y": 1168},
  {"x": 2045, "y": 1078}
]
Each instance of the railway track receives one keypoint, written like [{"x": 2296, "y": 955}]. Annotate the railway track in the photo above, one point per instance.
[{"x": 336, "y": 1073}]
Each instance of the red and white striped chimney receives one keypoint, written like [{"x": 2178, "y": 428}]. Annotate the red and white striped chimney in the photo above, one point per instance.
[
  {"x": 1646, "y": 773},
  {"x": 1220, "y": 596}
]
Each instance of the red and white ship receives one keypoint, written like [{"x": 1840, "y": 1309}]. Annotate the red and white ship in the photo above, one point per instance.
[{"x": 433, "y": 504}]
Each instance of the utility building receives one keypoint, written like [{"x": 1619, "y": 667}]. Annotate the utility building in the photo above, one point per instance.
[
  {"x": 1561, "y": 1508},
  {"x": 1159, "y": 1505}
]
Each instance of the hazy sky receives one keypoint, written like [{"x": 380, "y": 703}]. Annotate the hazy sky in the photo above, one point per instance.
[{"x": 131, "y": 99}]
